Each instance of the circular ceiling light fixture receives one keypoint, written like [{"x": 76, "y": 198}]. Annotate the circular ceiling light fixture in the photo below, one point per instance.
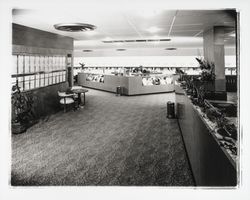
[
  {"x": 74, "y": 27},
  {"x": 120, "y": 49}
]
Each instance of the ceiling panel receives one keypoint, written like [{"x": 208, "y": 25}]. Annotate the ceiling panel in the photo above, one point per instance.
[{"x": 161, "y": 19}]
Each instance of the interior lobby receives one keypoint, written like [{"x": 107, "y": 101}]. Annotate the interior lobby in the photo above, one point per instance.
[{"x": 125, "y": 96}]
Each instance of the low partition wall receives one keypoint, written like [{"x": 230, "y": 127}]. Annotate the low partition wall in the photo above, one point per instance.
[
  {"x": 131, "y": 85},
  {"x": 135, "y": 87},
  {"x": 210, "y": 163}
]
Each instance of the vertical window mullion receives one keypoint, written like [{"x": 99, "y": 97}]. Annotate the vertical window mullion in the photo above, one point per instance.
[
  {"x": 34, "y": 71},
  {"x": 39, "y": 71},
  {"x": 65, "y": 68},
  {"x": 52, "y": 66},
  {"x": 29, "y": 72},
  {"x": 17, "y": 70},
  {"x": 23, "y": 72},
  {"x": 44, "y": 66}
]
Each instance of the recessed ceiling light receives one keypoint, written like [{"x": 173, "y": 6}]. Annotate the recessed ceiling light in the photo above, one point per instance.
[
  {"x": 87, "y": 50},
  {"x": 153, "y": 29},
  {"x": 120, "y": 49},
  {"x": 74, "y": 27},
  {"x": 171, "y": 48}
]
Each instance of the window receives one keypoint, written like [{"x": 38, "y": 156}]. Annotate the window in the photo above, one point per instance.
[{"x": 35, "y": 71}]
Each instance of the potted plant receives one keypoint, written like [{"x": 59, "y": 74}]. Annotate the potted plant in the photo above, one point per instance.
[
  {"x": 22, "y": 114},
  {"x": 207, "y": 75}
]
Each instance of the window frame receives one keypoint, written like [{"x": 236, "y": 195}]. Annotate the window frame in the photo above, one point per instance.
[{"x": 53, "y": 68}]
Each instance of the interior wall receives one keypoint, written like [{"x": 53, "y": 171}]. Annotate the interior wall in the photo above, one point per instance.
[{"x": 26, "y": 40}]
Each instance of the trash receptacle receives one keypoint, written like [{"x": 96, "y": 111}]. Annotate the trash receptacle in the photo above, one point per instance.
[
  {"x": 118, "y": 91},
  {"x": 170, "y": 110}
]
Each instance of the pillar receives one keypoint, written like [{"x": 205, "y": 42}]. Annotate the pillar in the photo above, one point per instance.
[
  {"x": 70, "y": 73},
  {"x": 213, "y": 45}
]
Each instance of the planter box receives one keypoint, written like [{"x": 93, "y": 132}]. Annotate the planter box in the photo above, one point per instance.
[
  {"x": 17, "y": 128},
  {"x": 210, "y": 163}
]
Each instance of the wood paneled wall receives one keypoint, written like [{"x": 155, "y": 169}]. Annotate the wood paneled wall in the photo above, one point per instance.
[{"x": 31, "y": 37}]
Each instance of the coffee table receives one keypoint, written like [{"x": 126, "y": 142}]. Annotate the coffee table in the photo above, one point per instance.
[{"x": 80, "y": 91}]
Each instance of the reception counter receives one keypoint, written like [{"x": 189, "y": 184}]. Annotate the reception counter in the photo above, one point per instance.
[
  {"x": 211, "y": 164},
  {"x": 131, "y": 85}
]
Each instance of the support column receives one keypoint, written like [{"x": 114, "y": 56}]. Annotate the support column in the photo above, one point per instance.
[
  {"x": 213, "y": 44},
  {"x": 69, "y": 63}
]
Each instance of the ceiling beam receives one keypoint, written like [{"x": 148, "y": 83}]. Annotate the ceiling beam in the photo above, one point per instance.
[
  {"x": 198, "y": 33},
  {"x": 132, "y": 26},
  {"x": 172, "y": 23}
]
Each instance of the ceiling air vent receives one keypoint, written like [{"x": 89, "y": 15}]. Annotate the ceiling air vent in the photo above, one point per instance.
[
  {"x": 87, "y": 50},
  {"x": 145, "y": 40},
  {"x": 74, "y": 27}
]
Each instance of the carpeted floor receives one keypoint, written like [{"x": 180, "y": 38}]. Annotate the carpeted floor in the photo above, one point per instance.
[{"x": 123, "y": 141}]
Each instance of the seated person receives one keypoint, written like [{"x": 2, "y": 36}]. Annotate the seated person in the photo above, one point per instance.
[
  {"x": 144, "y": 81},
  {"x": 150, "y": 81},
  {"x": 169, "y": 80}
]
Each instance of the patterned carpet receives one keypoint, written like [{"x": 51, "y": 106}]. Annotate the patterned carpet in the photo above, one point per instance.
[{"x": 123, "y": 141}]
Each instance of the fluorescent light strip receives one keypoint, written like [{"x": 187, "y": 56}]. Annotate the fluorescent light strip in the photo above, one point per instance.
[{"x": 128, "y": 41}]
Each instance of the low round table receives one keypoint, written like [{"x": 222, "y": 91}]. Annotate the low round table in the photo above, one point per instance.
[{"x": 80, "y": 91}]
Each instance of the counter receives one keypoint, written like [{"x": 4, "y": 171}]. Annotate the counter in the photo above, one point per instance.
[
  {"x": 131, "y": 85},
  {"x": 210, "y": 163}
]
